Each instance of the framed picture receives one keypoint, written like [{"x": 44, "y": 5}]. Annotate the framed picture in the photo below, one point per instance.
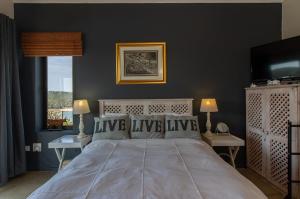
[{"x": 141, "y": 63}]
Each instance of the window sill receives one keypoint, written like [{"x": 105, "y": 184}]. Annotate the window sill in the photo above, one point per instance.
[{"x": 63, "y": 132}]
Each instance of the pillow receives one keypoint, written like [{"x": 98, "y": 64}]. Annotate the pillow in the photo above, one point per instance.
[
  {"x": 182, "y": 127},
  {"x": 147, "y": 126},
  {"x": 111, "y": 127}
]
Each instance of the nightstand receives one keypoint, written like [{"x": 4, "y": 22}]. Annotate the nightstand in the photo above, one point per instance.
[
  {"x": 232, "y": 142},
  {"x": 67, "y": 142}
]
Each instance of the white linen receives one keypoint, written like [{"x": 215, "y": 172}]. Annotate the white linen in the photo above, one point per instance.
[{"x": 148, "y": 169}]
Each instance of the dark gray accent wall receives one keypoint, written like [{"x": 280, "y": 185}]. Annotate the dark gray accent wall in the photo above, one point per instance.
[{"x": 208, "y": 55}]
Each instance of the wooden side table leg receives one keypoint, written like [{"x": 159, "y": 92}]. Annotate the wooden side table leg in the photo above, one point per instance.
[
  {"x": 231, "y": 156},
  {"x": 60, "y": 157},
  {"x": 232, "y": 153},
  {"x": 236, "y": 150}
]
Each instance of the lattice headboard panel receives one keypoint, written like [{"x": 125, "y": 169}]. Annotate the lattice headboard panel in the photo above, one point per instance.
[{"x": 146, "y": 106}]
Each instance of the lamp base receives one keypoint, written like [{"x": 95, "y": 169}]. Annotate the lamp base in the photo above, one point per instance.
[
  {"x": 81, "y": 135},
  {"x": 81, "y": 128},
  {"x": 208, "y": 134}
]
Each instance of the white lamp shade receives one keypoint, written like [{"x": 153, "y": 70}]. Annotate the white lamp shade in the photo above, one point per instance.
[
  {"x": 209, "y": 105},
  {"x": 81, "y": 107}
]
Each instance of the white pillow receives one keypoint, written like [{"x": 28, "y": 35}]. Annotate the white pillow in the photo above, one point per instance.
[
  {"x": 111, "y": 127},
  {"x": 147, "y": 126},
  {"x": 182, "y": 127}
]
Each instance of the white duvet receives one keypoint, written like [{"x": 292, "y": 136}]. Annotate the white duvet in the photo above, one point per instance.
[{"x": 148, "y": 169}]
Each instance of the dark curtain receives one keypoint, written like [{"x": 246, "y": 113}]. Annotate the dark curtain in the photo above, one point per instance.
[{"x": 12, "y": 141}]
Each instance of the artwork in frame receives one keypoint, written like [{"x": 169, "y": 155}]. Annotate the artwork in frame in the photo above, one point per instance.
[{"x": 141, "y": 63}]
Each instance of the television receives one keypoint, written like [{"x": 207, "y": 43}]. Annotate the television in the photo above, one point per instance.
[{"x": 276, "y": 61}]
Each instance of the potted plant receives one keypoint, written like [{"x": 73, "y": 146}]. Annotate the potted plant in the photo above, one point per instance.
[{"x": 55, "y": 120}]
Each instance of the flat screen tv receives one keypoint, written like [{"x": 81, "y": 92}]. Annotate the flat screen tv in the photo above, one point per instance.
[{"x": 276, "y": 61}]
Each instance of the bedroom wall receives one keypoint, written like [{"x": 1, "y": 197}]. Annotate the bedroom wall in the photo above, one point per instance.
[
  {"x": 208, "y": 55},
  {"x": 290, "y": 18},
  {"x": 7, "y": 8}
]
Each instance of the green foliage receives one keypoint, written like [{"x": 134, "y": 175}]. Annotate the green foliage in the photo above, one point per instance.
[
  {"x": 58, "y": 100},
  {"x": 60, "y": 107}
]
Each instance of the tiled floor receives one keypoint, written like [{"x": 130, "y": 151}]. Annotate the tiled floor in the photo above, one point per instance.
[
  {"x": 23, "y": 185},
  {"x": 269, "y": 190}
]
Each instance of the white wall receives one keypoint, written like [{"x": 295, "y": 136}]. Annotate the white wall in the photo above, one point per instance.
[
  {"x": 290, "y": 18},
  {"x": 7, "y": 7}
]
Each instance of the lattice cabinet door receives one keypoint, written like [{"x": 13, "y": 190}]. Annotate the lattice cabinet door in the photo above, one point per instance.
[
  {"x": 255, "y": 135},
  {"x": 281, "y": 108}
]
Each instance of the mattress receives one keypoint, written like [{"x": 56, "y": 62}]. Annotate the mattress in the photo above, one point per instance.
[{"x": 148, "y": 169}]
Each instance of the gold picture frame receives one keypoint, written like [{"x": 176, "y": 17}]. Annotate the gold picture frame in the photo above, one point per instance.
[{"x": 141, "y": 63}]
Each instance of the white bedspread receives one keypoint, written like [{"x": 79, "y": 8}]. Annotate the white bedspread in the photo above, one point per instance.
[{"x": 148, "y": 169}]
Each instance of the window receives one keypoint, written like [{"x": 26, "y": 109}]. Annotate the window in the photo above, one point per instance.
[{"x": 60, "y": 92}]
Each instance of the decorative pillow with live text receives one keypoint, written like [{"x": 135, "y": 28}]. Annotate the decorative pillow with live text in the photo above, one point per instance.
[
  {"x": 111, "y": 127},
  {"x": 182, "y": 127},
  {"x": 147, "y": 126}
]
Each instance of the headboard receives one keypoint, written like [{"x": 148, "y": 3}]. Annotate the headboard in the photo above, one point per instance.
[{"x": 146, "y": 106}]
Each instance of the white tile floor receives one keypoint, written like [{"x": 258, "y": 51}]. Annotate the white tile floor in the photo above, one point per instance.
[{"x": 269, "y": 190}]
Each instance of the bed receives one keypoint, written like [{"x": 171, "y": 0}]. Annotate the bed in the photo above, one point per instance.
[{"x": 148, "y": 168}]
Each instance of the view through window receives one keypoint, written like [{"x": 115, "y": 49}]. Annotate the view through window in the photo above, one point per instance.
[{"x": 60, "y": 88}]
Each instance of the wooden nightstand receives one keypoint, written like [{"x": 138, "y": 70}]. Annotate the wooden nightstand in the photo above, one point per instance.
[
  {"x": 67, "y": 142},
  {"x": 232, "y": 142}
]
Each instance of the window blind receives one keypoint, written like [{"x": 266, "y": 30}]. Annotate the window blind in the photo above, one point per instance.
[{"x": 42, "y": 44}]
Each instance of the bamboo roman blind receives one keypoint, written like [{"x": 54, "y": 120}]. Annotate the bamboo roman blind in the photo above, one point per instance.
[{"x": 42, "y": 44}]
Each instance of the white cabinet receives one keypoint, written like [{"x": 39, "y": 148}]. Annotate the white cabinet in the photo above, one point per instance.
[{"x": 268, "y": 110}]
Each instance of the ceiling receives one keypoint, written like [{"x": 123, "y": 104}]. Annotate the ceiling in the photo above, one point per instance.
[{"x": 147, "y": 1}]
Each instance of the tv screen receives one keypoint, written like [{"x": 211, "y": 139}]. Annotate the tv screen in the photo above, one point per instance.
[{"x": 279, "y": 60}]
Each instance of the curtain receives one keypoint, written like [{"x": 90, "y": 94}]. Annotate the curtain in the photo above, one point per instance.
[{"x": 12, "y": 141}]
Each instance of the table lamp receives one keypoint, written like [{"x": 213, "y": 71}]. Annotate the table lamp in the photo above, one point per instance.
[
  {"x": 81, "y": 107},
  {"x": 208, "y": 106}
]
